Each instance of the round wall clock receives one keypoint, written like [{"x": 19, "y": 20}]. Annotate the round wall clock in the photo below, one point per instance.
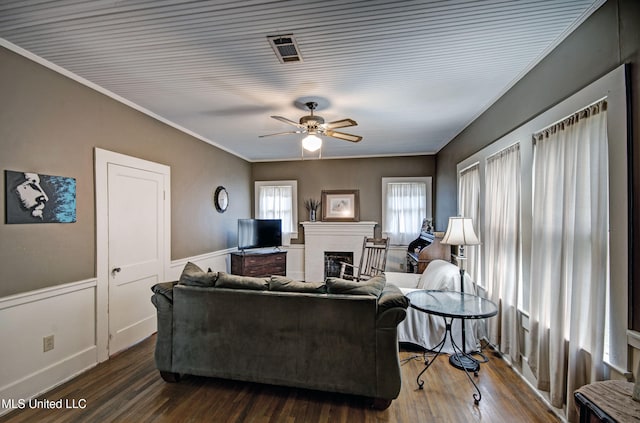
[{"x": 221, "y": 199}]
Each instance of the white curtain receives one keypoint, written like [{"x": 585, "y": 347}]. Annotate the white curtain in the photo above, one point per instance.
[
  {"x": 469, "y": 206},
  {"x": 502, "y": 247},
  {"x": 276, "y": 202},
  {"x": 406, "y": 208},
  {"x": 570, "y": 250}
]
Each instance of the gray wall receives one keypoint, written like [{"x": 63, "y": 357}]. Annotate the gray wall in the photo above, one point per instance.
[
  {"x": 313, "y": 176},
  {"x": 50, "y": 124},
  {"x": 607, "y": 39}
]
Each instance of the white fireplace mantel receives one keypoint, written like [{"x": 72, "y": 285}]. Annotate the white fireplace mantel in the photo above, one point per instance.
[{"x": 320, "y": 237}]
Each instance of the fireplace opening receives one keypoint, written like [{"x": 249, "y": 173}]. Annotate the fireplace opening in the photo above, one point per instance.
[{"x": 333, "y": 262}]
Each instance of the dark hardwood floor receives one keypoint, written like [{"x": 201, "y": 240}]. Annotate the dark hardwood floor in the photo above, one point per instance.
[{"x": 127, "y": 388}]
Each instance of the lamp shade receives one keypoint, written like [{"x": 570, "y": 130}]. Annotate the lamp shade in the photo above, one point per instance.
[
  {"x": 460, "y": 232},
  {"x": 312, "y": 142}
]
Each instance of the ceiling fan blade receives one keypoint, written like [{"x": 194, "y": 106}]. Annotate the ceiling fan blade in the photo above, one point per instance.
[
  {"x": 288, "y": 121},
  {"x": 280, "y": 133},
  {"x": 343, "y": 136},
  {"x": 341, "y": 123}
]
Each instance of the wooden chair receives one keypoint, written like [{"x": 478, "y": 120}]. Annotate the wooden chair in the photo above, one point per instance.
[{"x": 372, "y": 261}]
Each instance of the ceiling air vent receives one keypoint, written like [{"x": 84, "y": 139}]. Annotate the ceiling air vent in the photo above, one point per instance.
[{"x": 285, "y": 48}]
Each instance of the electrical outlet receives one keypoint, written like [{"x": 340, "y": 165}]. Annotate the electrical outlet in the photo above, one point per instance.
[{"x": 47, "y": 343}]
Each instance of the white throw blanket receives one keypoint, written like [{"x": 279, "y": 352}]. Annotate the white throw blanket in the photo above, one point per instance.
[{"x": 427, "y": 330}]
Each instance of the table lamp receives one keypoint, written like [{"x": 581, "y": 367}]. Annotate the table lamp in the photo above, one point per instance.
[{"x": 460, "y": 232}]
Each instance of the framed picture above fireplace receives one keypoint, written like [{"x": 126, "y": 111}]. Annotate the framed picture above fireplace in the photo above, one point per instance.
[{"x": 341, "y": 205}]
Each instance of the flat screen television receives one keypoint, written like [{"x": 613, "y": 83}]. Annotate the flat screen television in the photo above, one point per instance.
[{"x": 259, "y": 233}]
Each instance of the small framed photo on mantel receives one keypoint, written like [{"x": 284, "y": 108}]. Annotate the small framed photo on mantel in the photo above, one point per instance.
[{"x": 341, "y": 205}]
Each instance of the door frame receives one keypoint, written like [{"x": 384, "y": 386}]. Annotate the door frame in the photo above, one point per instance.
[{"x": 102, "y": 159}]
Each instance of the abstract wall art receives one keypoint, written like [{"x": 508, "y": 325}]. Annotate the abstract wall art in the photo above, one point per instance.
[{"x": 36, "y": 198}]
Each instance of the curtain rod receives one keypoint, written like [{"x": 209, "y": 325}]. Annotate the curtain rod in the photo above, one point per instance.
[
  {"x": 577, "y": 113},
  {"x": 495, "y": 155},
  {"x": 469, "y": 168}
]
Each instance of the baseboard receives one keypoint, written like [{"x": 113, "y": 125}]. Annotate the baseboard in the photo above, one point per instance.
[{"x": 527, "y": 376}]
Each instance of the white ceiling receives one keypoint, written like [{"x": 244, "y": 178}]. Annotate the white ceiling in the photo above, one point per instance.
[{"x": 413, "y": 74}]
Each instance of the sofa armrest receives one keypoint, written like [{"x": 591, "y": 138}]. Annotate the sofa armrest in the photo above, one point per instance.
[
  {"x": 392, "y": 309},
  {"x": 162, "y": 299},
  {"x": 165, "y": 289},
  {"x": 391, "y": 297}
]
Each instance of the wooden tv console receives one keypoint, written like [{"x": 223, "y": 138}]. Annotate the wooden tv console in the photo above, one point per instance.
[{"x": 259, "y": 264}]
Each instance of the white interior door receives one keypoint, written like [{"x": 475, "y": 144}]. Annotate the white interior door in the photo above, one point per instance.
[{"x": 136, "y": 225}]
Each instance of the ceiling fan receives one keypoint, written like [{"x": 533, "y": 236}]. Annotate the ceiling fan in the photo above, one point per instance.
[{"x": 314, "y": 125}]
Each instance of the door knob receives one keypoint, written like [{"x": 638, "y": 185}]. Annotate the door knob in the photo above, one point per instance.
[{"x": 115, "y": 270}]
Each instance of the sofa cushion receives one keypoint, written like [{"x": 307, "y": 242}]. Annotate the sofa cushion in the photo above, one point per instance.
[
  {"x": 281, "y": 283},
  {"x": 225, "y": 280},
  {"x": 373, "y": 286},
  {"x": 193, "y": 275}
]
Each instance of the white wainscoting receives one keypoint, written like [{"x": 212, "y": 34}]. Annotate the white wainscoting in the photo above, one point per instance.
[
  {"x": 397, "y": 258},
  {"x": 295, "y": 261},
  {"x": 68, "y": 312},
  {"x": 218, "y": 261}
]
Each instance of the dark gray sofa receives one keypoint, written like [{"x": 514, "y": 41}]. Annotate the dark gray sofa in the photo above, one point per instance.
[{"x": 335, "y": 337}]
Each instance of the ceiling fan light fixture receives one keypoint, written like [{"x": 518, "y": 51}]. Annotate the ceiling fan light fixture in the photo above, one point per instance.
[
  {"x": 314, "y": 126},
  {"x": 312, "y": 142}
]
